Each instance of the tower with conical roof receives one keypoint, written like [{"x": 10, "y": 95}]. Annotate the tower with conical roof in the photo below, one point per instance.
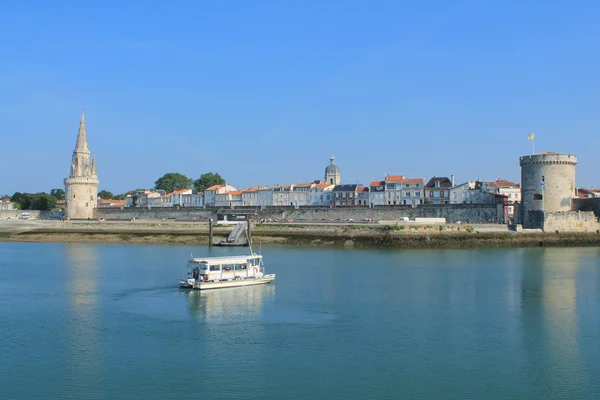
[
  {"x": 81, "y": 187},
  {"x": 332, "y": 172}
]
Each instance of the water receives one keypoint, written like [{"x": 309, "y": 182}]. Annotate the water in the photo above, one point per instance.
[{"x": 108, "y": 322}]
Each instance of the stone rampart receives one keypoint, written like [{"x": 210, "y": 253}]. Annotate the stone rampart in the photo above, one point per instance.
[
  {"x": 587, "y": 204},
  {"x": 172, "y": 213},
  {"x": 33, "y": 214},
  {"x": 453, "y": 213},
  {"x": 571, "y": 221}
]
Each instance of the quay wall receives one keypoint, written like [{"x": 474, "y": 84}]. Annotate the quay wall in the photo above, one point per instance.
[
  {"x": 453, "y": 213},
  {"x": 571, "y": 221},
  {"x": 32, "y": 214}
]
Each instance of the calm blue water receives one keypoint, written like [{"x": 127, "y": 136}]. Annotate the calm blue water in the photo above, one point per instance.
[{"x": 108, "y": 322}]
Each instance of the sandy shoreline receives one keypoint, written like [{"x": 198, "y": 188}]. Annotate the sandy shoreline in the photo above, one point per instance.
[{"x": 349, "y": 236}]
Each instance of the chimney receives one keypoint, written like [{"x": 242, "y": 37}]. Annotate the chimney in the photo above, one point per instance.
[{"x": 452, "y": 180}]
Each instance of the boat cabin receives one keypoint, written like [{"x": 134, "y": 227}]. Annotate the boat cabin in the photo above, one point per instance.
[{"x": 217, "y": 269}]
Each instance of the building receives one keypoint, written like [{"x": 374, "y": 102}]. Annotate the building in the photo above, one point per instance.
[
  {"x": 231, "y": 198},
  {"x": 250, "y": 196},
  {"x": 437, "y": 190},
  {"x": 363, "y": 196},
  {"x": 462, "y": 193},
  {"x": 81, "y": 187},
  {"x": 110, "y": 203},
  {"x": 320, "y": 194},
  {"x": 281, "y": 195},
  {"x": 265, "y": 197},
  {"x": 6, "y": 205},
  {"x": 345, "y": 195},
  {"x": 299, "y": 194},
  {"x": 510, "y": 189},
  {"x": 177, "y": 196},
  {"x": 589, "y": 193},
  {"x": 192, "y": 200},
  {"x": 332, "y": 173},
  {"x": 400, "y": 190},
  {"x": 377, "y": 194},
  {"x": 547, "y": 185},
  {"x": 210, "y": 194}
]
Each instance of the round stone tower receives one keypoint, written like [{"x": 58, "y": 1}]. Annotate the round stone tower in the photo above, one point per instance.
[
  {"x": 332, "y": 173},
  {"x": 81, "y": 187},
  {"x": 547, "y": 184}
]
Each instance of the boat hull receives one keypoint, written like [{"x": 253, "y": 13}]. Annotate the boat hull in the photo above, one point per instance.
[{"x": 229, "y": 284}]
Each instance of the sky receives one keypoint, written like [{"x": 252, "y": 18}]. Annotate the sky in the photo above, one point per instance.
[{"x": 264, "y": 92}]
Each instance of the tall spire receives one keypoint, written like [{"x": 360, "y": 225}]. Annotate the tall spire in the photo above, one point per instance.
[{"x": 82, "y": 143}]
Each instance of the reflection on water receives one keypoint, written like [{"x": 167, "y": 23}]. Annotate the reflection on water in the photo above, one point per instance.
[
  {"x": 228, "y": 305},
  {"x": 549, "y": 283},
  {"x": 561, "y": 268},
  {"x": 82, "y": 323}
]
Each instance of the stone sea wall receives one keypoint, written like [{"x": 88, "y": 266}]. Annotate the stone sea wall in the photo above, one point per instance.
[{"x": 453, "y": 213}]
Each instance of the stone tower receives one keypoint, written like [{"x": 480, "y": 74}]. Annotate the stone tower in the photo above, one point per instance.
[
  {"x": 81, "y": 187},
  {"x": 332, "y": 173},
  {"x": 547, "y": 184}
]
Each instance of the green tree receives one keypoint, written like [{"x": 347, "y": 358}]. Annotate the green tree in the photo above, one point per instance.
[
  {"x": 23, "y": 199},
  {"x": 43, "y": 201},
  {"x": 207, "y": 180},
  {"x": 106, "y": 195},
  {"x": 58, "y": 193},
  {"x": 173, "y": 181}
]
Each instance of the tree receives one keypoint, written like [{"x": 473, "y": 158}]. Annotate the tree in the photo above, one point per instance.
[
  {"x": 173, "y": 181},
  {"x": 207, "y": 180},
  {"x": 43, "y": 201},
  {"x": 37, "y": 201},
  {"x": 58, "y": 193},
  {"x": 106, "y": 195}
]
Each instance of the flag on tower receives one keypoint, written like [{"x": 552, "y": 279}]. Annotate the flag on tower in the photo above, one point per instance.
[
  {"x": 543, "y": 183},
  {"x": 531, "y": 136}
]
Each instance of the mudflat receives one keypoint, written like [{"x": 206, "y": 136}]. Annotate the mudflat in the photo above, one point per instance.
[{"x": 317, "y": 235}]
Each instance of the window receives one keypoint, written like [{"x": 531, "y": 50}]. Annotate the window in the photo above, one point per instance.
[
  {"x": 215, "y": 268},
  {"x": 417, "y": 194},
  {"x": 537, "y": 196}
]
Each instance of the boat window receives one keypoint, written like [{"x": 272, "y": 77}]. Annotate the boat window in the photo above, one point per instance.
[
  {"x": 240, "y": 267},
  {"x": 203, "y": 266},
  {"x": 215, "y": 267},
  {"x": 228, "y": 267}
]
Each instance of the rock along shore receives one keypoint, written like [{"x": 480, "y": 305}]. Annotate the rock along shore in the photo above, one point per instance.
[{"x": 349, "y": 236}]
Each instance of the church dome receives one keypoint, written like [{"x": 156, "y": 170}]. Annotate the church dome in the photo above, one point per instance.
[{"x": 332, "y": 169}]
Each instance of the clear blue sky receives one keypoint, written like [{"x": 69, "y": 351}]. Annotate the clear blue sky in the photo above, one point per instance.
[{"x": 263, "y": 92}]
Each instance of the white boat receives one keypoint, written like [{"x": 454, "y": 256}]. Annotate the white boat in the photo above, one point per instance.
[{"x": 225, "y": 272}]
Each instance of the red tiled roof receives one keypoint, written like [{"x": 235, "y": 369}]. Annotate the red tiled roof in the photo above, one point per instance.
[
  {"x": 214, "y": 187},
  {"x": 363, "y": 189},
  {"x": 377, "y": 183},
  {"x": 235, "y": 192},
  {"x": 498, "y": 183},
  {"x": 323, "y": 185},
  {"x": 303, "y": 185},
  {"x": 394, "y": 178}
]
